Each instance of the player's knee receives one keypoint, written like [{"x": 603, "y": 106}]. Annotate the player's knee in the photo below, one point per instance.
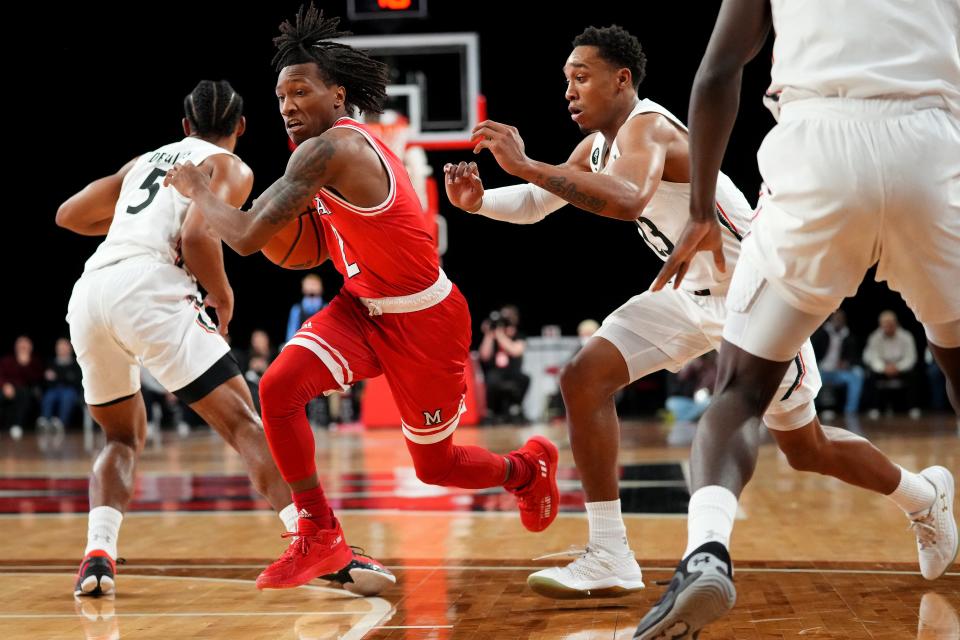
[
  {"x": 280, "y": 393},
  {"x": 803, "y": 457},
  {"x": 577, "y": 385},
  {"x": 435, "y": 472}
]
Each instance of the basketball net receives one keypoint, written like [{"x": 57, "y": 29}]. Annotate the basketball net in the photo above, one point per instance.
[{"x": 394, "y": 129}]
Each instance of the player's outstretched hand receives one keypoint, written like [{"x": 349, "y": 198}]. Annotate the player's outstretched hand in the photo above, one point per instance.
[
  {"x": 187, "y": 179},
  {"x": 504, "y": 142},
  {"x": 464, "y": 188},
  {"x": 697, "y": 236}
]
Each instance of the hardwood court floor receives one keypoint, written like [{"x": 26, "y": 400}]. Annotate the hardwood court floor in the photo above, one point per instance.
[{"x": 814, "y": 558}]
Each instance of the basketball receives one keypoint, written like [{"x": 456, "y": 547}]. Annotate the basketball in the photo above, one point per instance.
[{"x": 299, "y": 245}]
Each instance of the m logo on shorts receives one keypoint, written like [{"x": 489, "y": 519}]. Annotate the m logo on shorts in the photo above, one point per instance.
[
  {"x": 321, "y": 208},
  {"x": 431, "y": 419}
]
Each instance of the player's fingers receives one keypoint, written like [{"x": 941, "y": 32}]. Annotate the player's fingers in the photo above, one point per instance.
[
  {"x": 682, "y": 272},
  {"x": 461, "y": 170},
  {"x": 666, "y": 271},
  {"x": 483, "y": 144}
]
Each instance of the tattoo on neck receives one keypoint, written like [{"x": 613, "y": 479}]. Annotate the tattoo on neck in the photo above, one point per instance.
[{"x": 567, "y": 189}]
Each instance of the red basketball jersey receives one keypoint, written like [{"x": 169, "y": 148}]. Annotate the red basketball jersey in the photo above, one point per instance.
[{"x": 382, "y": 251}]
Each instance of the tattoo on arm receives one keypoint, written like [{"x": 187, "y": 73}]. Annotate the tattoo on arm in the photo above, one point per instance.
[
  {"x": 305, "y": 174},
  {"x": 567, "y": 189}
]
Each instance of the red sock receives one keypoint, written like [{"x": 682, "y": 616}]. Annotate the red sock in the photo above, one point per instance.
[
  {"x": 521, "y": 471},
  {"x": 314, "y": 502}
]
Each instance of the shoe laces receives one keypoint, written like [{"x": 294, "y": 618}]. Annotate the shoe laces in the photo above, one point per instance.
[
  {"x": 925, "y": 530},
  {"x": 299, "y": 545},
  {"x": 572, "y": 552}
]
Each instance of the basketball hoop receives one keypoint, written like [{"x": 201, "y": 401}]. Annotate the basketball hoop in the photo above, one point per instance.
[{"x": 393, "y": 128}]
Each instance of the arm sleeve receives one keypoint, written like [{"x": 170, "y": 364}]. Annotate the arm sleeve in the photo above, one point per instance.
[{"x": 520, "y": 203}]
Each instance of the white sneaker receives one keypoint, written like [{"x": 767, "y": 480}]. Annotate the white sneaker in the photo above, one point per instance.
[
  {"x": 938, "y": 620},
  {"x": 936, "y": 528},
  {"x": 596, "y": 573}
]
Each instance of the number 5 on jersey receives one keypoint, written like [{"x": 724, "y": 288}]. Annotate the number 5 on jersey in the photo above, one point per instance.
[{"x": 151, "y": 186}]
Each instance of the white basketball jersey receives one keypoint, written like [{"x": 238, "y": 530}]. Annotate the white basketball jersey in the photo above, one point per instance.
[
  {"x": 857, "y": 49},
  {"x": 148, "y": 216},
  {"x": 665, "y": 216}
]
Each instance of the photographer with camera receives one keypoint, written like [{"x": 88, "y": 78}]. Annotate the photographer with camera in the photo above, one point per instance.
[{"x": 501, "y": 354}]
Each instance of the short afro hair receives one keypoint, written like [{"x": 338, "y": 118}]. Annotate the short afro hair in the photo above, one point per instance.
[{"x": 617, "y": 46}]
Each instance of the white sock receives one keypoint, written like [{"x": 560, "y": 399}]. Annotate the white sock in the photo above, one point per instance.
[
  {"x": 288, "y": 515},
  {"x": 103, "y": 527},
  {"x": 914, "y": 493},
  {"x": 607, "y": 530},
  {"x": 710, "y": 517}
]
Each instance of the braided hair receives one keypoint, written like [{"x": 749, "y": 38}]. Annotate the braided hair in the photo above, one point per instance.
[
  {"x": 213, "y": 109},
  {"x": 308, "y": 39}
]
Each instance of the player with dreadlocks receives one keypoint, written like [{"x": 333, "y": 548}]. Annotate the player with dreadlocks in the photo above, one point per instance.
[
  {"x": 137, "y": 301},
  {"x": 397, "y": 313}
]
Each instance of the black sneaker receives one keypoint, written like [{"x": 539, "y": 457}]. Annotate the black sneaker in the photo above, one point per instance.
[
  {"x": 95, "y": 577},
  {"x": 700, "y": 592},
  {"x": 364, "y": 576}
]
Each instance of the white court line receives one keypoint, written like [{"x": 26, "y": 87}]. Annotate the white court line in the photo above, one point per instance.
[
  {"x": 47, "y": 568},
  {"x": 419, "y": 626},
  {"x": 186, "y": 614},
  {"x": 372, "y": 512},
  {"x": 379, "y": 609}
]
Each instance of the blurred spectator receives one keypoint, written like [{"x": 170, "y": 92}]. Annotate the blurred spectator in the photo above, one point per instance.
[
  {"x": 891, "y": 355},
  {"x": 838, "y": 353},
  {"x": 63, "y": 388},
  {"x": 690, "y": 389},
  {"x": 21, "y": 375},
  {"x": 586, "y": 329},
  {"x": 501, "y": 355},
  {"x": 312, "y": 301},
  {"x": 256, "y": 367},
  {"x": 163, "y": 408}
]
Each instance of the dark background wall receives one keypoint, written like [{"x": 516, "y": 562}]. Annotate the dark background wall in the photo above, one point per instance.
[{"x": 103, "y": 84}]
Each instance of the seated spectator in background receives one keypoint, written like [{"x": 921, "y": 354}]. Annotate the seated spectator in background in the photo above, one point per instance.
[
  {"x": 838, "y": 352},
  {"x": 586, "y": 329},
  {"x": 260, "y": 347},
  {"x": 157, "y": 399},
  {"x": 256, "y": 367},
  {"x": 890, "y": 355},
  {"x": 689, "y": 392},
  {"x": 501, "y": 355},
  {"x": 312, "y": 301},
  {"x": 63, "y": 388},
  {"x": 21, "y": 375}
]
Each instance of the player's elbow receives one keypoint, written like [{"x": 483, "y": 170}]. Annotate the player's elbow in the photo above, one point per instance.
[
  {"x": 66, "y": 216},
  {"x": 246, "y": 245},
  {"x": 630, "y": 204}
]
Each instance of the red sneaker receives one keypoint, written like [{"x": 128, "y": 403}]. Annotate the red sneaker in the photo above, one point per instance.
[
  {"x": 540, "y": 498},
  {"x": 96, "y": 575},
  {"x": 315, "y": 552},
  {"x": 364, "y": 576}
]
